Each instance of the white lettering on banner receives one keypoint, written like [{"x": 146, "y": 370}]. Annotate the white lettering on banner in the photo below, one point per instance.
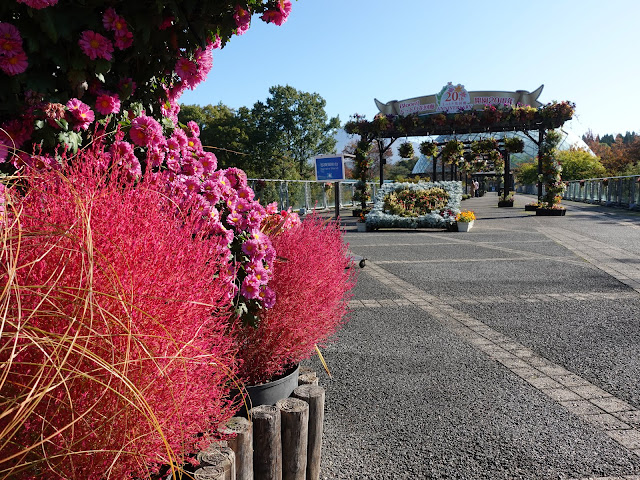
[
  {"x": 415, "y": 107},
  {"x": 493, "y": 101}
]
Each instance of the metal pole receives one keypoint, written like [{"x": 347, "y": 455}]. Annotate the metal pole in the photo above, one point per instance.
[
  {"x": 380, "y": 154},
  {"x": 540, "y": 141},
  {"x": 336, "y": 187}
]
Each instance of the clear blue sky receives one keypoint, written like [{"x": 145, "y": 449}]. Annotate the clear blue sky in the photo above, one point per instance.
[{"x": 352, "y": 51}]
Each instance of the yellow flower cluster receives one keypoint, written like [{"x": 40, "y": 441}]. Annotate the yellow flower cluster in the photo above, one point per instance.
[{"x": 465, "y": 216}]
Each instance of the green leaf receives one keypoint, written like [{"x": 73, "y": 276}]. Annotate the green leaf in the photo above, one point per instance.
[
  {"x": 102, "y": 66},
  {"x": 48, "y": 26}
]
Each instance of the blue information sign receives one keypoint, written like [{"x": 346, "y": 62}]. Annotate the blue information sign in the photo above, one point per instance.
[{"x": 329, "y": 168}]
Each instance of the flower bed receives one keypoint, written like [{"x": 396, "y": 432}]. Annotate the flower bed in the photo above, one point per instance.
[{"x": 440, "y": 217}]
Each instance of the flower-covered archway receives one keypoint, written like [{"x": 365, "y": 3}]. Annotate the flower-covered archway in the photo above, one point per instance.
[{"x": 469, "y": 156}]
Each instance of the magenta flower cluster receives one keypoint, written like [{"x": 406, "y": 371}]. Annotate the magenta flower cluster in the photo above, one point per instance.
[
  {"x": 38, "y": 4},
  {"x": 13, "y": 59}
]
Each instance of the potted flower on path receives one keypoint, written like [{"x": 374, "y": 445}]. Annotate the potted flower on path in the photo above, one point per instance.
[{"x": 465, "y": 220}]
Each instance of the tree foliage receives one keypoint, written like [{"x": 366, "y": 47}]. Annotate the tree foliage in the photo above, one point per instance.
[
  {"x": 274, "y": 139},
  {"x": 578, "y": 164},
  {"x": 619, "y": 154},
  {"x": 527, "y": 173}
]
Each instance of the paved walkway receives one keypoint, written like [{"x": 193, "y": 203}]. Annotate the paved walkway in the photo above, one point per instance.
[{"x": 511, "y": 351}]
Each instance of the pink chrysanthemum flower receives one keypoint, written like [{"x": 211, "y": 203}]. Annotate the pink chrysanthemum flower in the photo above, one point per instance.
[
  {"x": 10, "y": 40},
  {"x": 250, "y": 287},
  {"x": 193, "y": 130},
  {"x": 209, "y": 163},
  {"x": 38, "y": 4},
  {"x": 124, "y": 41},
  {"x": 237, "y": 177},
  {"x": 108, "y": 18},
  {"x": 10, "y": 33},
  {"x": 204, "y": 60},
  {"x": 245, "y": 193},
  {"x": 272, "y": 208},
  {"x": 95, "y": 45},
  {"x": 107, "y": 104},
  {"x": 243, "y": 19},
  {"x": 234, "y": 219},
  {"x": 81, "y": 116},
  {"x": 15, "y": 64},
  {"x": 254, "y": 218},
  {"x": 192, "y": 184},
  {"x": 186, "y": 69},
  {"x": 267, "y": 296},
  {"x": 210, "y": 191},
  {"x": 145, "y": 131},
  {"x": 155, "y": 156},
  {"x": 119, "y": 26},
  {"x": 217, "y": 43},
  {"x": 252, "y": 248},
  {"x": 279, "y": 15}
]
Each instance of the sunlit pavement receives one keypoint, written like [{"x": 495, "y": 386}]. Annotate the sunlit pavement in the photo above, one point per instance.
[{"x": 511, "y": 351}]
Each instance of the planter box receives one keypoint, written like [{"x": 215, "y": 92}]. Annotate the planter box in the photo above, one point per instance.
[
  {"x": 530, "y": 208},
  {"x": 551, "y": 212},
  {"x": 505, "y": 203},
  {"x": 465, "y": 226},
  {"x": 362, "y": 226}
]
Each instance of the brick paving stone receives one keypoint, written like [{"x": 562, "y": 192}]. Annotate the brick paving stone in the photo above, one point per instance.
[
  {"x": 631, "y": 417},
  {"x": 554, "y": 370},
  {"x": 513, "y": 362},
  {"x": 509, "y": 346},
  {"x": 590, "y": 391},
  {"x": 612, "y": 404},
  {"x": 607, "y": 422},
  {"x": 581, "y": 407},
  {"x": 560, "y": 394},
  {"x": 524, "y": 353},
  {"x": 544, "y": 382},
  {"x": 628, "y": 438},
  {"x": 571, "y": 380},
  {"x": 527, "y": 373}
]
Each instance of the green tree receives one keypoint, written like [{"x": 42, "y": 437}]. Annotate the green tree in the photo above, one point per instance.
[
  {"x": 223, "y": 131},
  {"x": 401, "y": 169},
  {"x": 578, "y": 164},
  {"x": 291, "y": 126},
  {"x": 527, "y": 173}
]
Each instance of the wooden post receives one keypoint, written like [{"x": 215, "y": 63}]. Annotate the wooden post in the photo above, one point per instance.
[
  {"x": 220, "y": 457},
  {"x": 210, "y": 473},
  {"x": 241, "y": 444},
  {"x": 294, "y": 416},
  {"x": 308, "y": 378},
  {"x": 314, "y": 396},
  {"x": 267, "y": 447}
]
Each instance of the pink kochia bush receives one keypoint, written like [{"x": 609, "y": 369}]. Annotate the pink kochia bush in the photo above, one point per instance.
[
  {"x": 114, "y": 349},
  {"x": 312, "y": 285}
]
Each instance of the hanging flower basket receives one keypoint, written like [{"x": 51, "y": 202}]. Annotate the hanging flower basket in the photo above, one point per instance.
[
  {"x": 514, "y": 144},
  {"x": 428, "y": 149},
  {"x": 405, "y": 150}
]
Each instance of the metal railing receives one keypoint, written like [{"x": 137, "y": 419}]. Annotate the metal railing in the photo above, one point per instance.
[
  {"x": 306, "y": 194},
  {"x": 613, "y": 191},
  {"x": 621, "y": 191}
]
